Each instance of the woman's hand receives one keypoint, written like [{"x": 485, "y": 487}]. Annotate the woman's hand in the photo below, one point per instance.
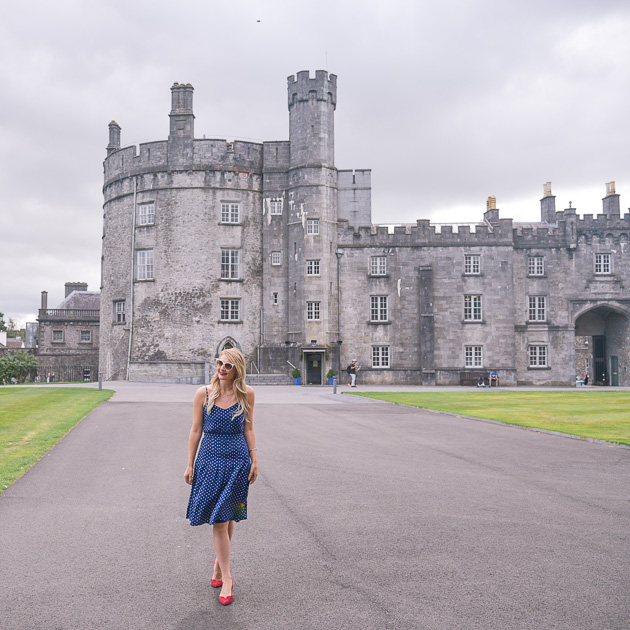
[
  {"x": 253, "y": 472},
  {"x": 188, "y": 475}
]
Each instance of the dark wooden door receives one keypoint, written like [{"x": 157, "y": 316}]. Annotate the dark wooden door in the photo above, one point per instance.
[{"x": 314, "y": 368}]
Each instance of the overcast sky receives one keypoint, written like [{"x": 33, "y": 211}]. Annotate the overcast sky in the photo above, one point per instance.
[{"x": 447, "y": 103}]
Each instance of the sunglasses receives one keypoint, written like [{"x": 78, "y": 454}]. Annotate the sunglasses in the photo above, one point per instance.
[{"x": 227, "y": 366}]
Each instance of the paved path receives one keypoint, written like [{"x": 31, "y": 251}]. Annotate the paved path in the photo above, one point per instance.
[{"x": 365, "y": 515}]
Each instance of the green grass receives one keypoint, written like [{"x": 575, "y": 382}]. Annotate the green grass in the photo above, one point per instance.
[
  {"x": 599, "y": 415},
  {"x": 33, "y": 420}
]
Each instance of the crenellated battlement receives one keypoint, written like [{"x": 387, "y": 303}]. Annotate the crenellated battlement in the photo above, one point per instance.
[
  {"x": 207, "y": 155},
  {"x": 357, "y": 178},
  {"x": 323, "y": 87}
]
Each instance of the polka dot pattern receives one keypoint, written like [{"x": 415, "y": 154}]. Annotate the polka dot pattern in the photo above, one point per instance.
[{"x": 220, "y": 484}]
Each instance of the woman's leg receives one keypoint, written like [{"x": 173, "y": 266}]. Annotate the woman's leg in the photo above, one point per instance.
[
  {"x": 221, "y": 539},
  {"x": 216, "y": 571}
]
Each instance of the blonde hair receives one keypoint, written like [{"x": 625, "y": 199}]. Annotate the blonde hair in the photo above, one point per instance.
[{"x": 235, "y": 356}]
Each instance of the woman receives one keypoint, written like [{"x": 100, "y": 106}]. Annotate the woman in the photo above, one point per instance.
[{"x": 227, "y": 460}]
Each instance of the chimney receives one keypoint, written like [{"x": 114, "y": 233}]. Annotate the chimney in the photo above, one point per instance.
[
  {"x": 491, "y": 215},
  {"x": 114, "y": 137},
  {"x": 548, "y": 205},
  {"x": 611, "y": 200},
  {"x": 44, "y": 300},
  {"x": 182, "y": 126},
  {"x": 75, "y": 286}
]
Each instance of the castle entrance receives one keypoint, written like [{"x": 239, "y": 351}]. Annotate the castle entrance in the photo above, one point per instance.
[{"x": 602, "y": 346}]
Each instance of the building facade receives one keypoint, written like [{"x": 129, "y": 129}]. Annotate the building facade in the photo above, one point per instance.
[{"x": 270, "y": 248}]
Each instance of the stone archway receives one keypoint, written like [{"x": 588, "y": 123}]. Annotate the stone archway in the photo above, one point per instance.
[
  {"x": 602, "y": 343},
  {"x": 227, "y": 342}
]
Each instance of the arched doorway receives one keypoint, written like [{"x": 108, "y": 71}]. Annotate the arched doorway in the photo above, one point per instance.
[
  {"x": 226, "y": 343},
  {"x": 602, "y": 346}
]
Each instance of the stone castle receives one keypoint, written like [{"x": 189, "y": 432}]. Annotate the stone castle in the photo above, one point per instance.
[{"x": 269, "y": 247}]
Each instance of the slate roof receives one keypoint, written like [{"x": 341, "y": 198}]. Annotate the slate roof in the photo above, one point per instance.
[{"x": 90, "y": 300}]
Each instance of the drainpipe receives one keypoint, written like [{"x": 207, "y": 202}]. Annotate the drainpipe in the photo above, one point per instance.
[
  {"x": 133, "y": 252},
  {"x": 262, "y": 335},
  {"x": 339, "y": 253}
]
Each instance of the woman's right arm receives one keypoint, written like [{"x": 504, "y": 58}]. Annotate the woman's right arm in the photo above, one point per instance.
[{"x": 195, "y": 432}]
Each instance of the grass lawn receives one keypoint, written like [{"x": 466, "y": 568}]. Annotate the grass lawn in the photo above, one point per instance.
[
  {"x": 600, "y": 415},
  {"x": 33, "y": 420}
]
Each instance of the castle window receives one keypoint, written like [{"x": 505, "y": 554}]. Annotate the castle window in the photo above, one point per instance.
[
  {"x": 472, "y": 308},
  {"x": 312, "y": 311},
  {"x": 312, "y": 226},
  {"x": 144, "y": 268},
  {"x": 473, "y": 357},
  {"x": 380, "y": 356},
  {"x": 275, "y": 206},
  {"x": 312, "y": 267},
  {"x": 378, "y": 265},
  {"x": 537, "y": 356},
  {"x": 230, "y": 310},
  {"x": 535, "y": 266},
  {"x": 230, "y": 264},
  {"x": 119, "y": 312},
  {"x": 537, "y": 308},
  {"x": 85, "y": 336},
  {"x": 378, "y": 308},
  {"x": 230, "y": 212},
  {"x": 602, "y": 263},
  {"x": 57, "y": 336},
  {"x": 146, "y": 213},
  {"x": 472, "y": 264},
  {"x": 276, "y": 258},
  {"x": 275, "y": 297}
]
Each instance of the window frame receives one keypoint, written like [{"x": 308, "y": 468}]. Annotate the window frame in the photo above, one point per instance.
[
  {"x": 312, "y": 227},
  {"x": 63, "y": 336},
  {"x": 470, "y": 311},
  {"x": 313, "y": 311},
  {"x": 537, "y": 306},
  {"x": 145, "y": 270},
  {"x": 537, "y": 355},
  {"x": 608, "y": 263},
  {"x": 474, "y": 358},
  {"x": 532, "y": 265},
  {"x": 379, "y": 306},
  {"x": 276, "y": 259},
  {"x": 381, "y": 357},
  {"x": 230, "y": 268},
  {"x": 375, "y": 265},
  {"x": 142, "y": 216},
  {"x": 227, "y": 212},
  {"x": 273, "y": 206},
  {"x": 119, "y": 312},
  {"x": 81, "y": 340},
  {"x": 229, "y": 309},
  {"x": 470, "y": 268},
  {"x": 311, "y": 265}
]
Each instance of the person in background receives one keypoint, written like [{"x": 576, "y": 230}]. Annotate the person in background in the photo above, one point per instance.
[{"x": 352, "y": 370}]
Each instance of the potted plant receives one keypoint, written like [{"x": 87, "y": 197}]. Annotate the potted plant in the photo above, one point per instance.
[
  {"x": 330, "y": 375},
  {"x": 297, "y": 376}
]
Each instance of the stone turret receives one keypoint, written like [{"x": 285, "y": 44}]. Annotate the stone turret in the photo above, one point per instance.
[{"x": 182, "y": 126}]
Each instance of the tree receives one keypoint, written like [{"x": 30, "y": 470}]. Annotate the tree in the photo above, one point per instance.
[
  {"x": 17, "y": 365},
  {"x": 3, "y": 325}
]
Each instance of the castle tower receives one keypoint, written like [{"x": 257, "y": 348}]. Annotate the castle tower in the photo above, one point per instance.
[
  {"x": 312, "y": 216},
  {"x": 182, "y": 126}
]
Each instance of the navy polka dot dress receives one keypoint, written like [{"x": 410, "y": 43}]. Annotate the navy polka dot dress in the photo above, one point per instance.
[{"x": 220, "y": 478}]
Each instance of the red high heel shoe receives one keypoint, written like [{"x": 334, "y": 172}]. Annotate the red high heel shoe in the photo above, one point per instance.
[
  {"x": 215, "y": 583},
  {"x": 227, "y": 600}
]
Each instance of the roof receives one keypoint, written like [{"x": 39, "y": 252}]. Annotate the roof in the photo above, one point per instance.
[{"x": 88, "y": 300}]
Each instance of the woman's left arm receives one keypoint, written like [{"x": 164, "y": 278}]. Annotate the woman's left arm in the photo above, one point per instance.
[{"x": 250, "y": 437}]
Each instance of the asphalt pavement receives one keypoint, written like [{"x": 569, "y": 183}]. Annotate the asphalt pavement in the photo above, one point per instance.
[{"x": 365, "y": 516}]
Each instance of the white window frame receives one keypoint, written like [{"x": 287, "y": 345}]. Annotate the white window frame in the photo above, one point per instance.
[
  {"x": 535, "y": 265},
  {"x": 313, "y": 312},
  {"x": 473, "y": 356},
  {"x": 146, "y": 213},
  {"x": 89, "y": 335},
  {"x": 379, "y": 308},
  {"x": 275, "y": 297},
  {"x": 63, "y": 336},
  {"x": 603, "y": 264},
  {"x": 312, "y": 226},
  {"x": 537, "y": 356},
  {"x": 472, "y": 264},
  {"x": 276, "y": 259},
  {"x": 144, "y": 264},
  {"x": 380, "y": 357},
  {"x": 312, "y": 268},
  {"x": 275, "y": 206},
  {"x": 230, "y": 264},
  {"x": 119, "y": 311},
  {"x": 537, "y": 308},
  {"x": 378, "y": 265},
  {"x": 230, "y": 212},
  {"x": 230, "y": 310},
  {"x": 473, "y": 308}
]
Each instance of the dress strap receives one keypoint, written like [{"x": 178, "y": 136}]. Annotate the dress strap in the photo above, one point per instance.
[{"x": 206, "y": 395}]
